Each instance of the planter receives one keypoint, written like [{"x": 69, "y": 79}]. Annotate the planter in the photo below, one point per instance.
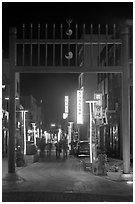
[
  {"x": 99, "y": 165},
  {"x": 30, "y": 159}
]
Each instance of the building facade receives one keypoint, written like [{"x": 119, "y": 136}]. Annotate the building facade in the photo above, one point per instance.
[
  {"x": 33, "y": 117},
  {"x": 5, "y": 104},
  {"x": 109, "y": 85}
]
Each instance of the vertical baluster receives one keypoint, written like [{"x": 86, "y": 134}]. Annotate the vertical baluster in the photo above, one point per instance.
[
  {"x": 114, "y": 47},
  {"x": 53, "y": 31},
  {"x": 23, "y": 44},
  {"x": 76, "y": 58},
  {"x": 61, "y": 46},
  {"x": 16, "y": 51},
  {"x": 46, "y": 33},
  {"x": 83, "y": 43},
  {"x": 31, "y": 27},
  {"x": 84, "y": 30},
  {"x": 53, "y": 45},
  {"x": 91, "y": 36},
  {"x": 46, "y": 45},
  {"x": 99, "y": 44},
  {"x": 38, "y": 45},
  {"x": 106, "y": 45}
]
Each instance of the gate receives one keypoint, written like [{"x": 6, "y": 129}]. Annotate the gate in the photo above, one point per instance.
[{"x": 70, "y": 49}]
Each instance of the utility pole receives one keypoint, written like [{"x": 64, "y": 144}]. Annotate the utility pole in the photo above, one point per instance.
[{"x": 12, "y": 104}]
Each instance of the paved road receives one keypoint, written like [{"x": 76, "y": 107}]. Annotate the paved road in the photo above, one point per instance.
[{"x": 63, "y": 180}]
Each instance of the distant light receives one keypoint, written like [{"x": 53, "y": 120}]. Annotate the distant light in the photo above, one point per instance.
[
  {"x": 129, "y": 182},
  {"x": 3, "y": 86},
  {"x": 6, "y": 98},
  {"x": 17, "y": 98},
  {"x": 53, "y": 125},
  {"x": 65, "y": 115}
]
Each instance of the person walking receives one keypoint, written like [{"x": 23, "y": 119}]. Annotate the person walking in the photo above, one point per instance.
[
  {"x": 58, "y": 149},
  {"x": 42, "y": 147},
  {"x": 49, "y": 148},
  {"x": 64, "y": 147}
]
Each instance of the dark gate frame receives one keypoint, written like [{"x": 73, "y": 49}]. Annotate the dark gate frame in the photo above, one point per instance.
[{"x": 123, "y": 69}]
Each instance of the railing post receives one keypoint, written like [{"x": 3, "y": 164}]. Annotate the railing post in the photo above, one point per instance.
[
  {"x": 125, "y": 101},
  {"x": 12, "y": 108}
]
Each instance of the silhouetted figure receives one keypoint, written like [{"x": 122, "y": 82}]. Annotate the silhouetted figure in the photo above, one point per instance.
[
  {"x": 49, "y": 148},
  {"x": 42, "y": 146},
  {"x": 64, "y": 147},
  {"x": 58, "y": 149}
]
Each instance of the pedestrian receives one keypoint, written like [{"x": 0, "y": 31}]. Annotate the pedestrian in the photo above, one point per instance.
[
  {"x": 64, "y": 147},
  {"x": 58, "y": 149},
  {"x": 49, "y": 148},
  {"x": 42, "y": 146}
]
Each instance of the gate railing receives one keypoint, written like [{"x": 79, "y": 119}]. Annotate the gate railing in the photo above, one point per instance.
[{"x": 68, "y": 46}]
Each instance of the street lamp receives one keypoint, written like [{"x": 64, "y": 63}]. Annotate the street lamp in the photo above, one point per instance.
[
  {"x": 91, "y": 103},
  {"x": 24, "y": 129},
  {"x": 7, "y": 99},
  {"x": 34, "y": 132}
]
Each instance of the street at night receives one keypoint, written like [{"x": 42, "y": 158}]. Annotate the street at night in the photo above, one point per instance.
[{"x": 67, "y": 101}]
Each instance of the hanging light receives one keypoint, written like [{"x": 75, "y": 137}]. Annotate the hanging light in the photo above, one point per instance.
[{"x": 69, "y": 56}]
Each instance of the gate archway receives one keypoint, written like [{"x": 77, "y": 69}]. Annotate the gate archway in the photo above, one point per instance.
[{"x": 73, "y": 46}]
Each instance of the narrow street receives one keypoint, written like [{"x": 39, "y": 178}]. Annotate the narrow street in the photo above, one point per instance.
[{"x": 53, "y": 179}]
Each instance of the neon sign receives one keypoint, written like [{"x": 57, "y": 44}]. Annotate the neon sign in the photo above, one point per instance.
[{"x": 79, "y": 106}]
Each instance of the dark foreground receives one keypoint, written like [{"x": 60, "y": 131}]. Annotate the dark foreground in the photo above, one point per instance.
[
  {"x": 61, "y": 197},
  {"x": 62, "y": 180}
]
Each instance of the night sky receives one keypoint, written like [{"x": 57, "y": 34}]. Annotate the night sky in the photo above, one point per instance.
[{"x": 51, "y": 88}]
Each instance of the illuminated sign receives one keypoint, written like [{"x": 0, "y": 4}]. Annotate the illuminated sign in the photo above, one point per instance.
[
  {"x": 66, "y": 104},
  {"x": 65, "y": 115},
  {"x": 79, "y": 106},
  {"x": 98, "y": 110},
  {"x": 98, "y": 105},
  {"x": 98, "y": 96}
]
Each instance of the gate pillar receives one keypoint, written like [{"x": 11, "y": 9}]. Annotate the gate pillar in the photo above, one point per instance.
[
  {"x": 125, "y": 101},
  {"x": 12, "y": 108}
]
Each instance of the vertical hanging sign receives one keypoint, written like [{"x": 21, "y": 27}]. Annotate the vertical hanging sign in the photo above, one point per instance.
[
  {"x": 98, "y": 110},
  {"x": 66, "y": 104},
  {"x": 65, "y": 115},
  {"x": 98, "y": 106},
  {"x": 79, "y": 106}
]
